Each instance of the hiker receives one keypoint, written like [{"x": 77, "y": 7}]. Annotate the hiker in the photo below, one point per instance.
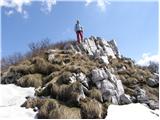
[{"x": 79, "y": 32}]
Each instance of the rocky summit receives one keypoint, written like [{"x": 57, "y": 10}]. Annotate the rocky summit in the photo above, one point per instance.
[{"x": 81, "y": 80}]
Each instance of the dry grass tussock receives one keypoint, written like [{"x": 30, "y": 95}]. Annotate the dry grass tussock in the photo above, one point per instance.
[
  {"x": 30, "y": 80},
  {"x": 91, "y": 109}
]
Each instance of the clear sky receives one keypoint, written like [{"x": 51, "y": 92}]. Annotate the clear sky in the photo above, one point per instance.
[{"x": 134, "y": 25}]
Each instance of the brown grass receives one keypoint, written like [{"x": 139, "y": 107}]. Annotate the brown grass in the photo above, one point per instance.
[
  {"x": 49, "y": 104},
  {"x": 30, "y": 80},
  {"x": 91, "y": 109},
  {"x": 44, "y": 67},
  {"x": 64, "y": 112},
  {"x": 95, "y": 94}
]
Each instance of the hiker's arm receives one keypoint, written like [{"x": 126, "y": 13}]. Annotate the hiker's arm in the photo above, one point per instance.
[
  {"x": 75, "y": 28},
  {"x": 82, "y": 28}
]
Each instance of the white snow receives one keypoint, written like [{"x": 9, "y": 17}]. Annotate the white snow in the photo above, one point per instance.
[
  {"x": 11, "y": 98},
  {"x": 131, "y": 112}
]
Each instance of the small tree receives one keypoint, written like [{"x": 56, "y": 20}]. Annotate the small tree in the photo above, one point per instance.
[
  {"x": 37, "y": 48},
  {"x": 11, "y": 60}
]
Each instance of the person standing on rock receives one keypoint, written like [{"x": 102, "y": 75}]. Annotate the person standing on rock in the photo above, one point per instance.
[{"x": 79, "y": 31}]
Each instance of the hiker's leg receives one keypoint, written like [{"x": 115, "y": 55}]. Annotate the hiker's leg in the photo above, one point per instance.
[
  {"x": 81, "y": 34},
  {"x": 78, "y": 39}
]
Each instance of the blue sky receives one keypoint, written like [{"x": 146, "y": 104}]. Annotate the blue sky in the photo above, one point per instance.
[{"x": 134, "y": 25}]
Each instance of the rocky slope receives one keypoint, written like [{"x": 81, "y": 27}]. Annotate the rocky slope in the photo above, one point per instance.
[{"x": 82, "y": 80}]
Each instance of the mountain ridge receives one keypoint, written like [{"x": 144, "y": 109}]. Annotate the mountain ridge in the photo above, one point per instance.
[{"x": 82, "y": 80}]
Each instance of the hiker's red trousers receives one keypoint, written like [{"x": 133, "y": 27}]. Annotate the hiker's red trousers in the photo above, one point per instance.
[{"x": 79, "y": 36}]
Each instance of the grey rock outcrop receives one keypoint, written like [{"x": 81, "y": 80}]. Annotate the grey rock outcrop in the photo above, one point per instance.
[
  {"x": 82, "y": 78},
  {"x": 125, "y": 99},
  {"x": 153, "y": 104},
  {"x": 97, "y": 48},
  {"x": 111, "y": 88},
  {"x": 141, "y": 96},
  {"x": 152, "y": 82}
]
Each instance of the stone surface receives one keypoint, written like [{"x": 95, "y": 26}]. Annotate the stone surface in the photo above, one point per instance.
[
  {"x": 120, "y": 88},
  {"x": 104, "y": 59},
  {"x": 109, "y": 51},
  {"x": 92, "y": 45},
  {"x": 153, "y": 105},
  {"x": 98, "y": 75},
  {"x": 141, "y": 96},
  {"x": 82, "y": 78},
  {"x": 51, "y": 57},
  {"x": 125, "y": 99},
  {"x": 113, "y": 45},
  {"x": 110, "y": 87},
  {"x": 97, "y": 48},
  {"x": 152, "y": 82}
]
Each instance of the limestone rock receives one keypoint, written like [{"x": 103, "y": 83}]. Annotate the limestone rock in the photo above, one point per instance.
[
  {"x": 152, "y": 82},
  {"x": 104, "y": 59},
  {"x": 98, "y": 75},
  {"x": 141, "y": 96},
  {"x": 82, "y": 78},
  {"x": 120, "y": 88},
  {"x": 110, "y": 87},
  {"x": 125, "y": 99},
  {"x": 153, "y": 105}
]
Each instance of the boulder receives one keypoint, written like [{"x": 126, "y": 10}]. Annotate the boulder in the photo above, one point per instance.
[
  {"x": 125, "y": 99},
  {"x": 64, "y": 112},
  {"x": 107, "y": 85},
  {"x": 86, "y": 48},
  {"x": 114, "y": 99},
  {"x": 140, "y": 95},
  {"x": 111, "y": 76},
  {"x": 103, "y": 43},
  {"x": 82, "y": 78},
  {"x": 110, "y": 87},
  {"x": 152, "y": 82},
  {"x": 104, "y": 59},
  {"x": 120, "y": 88},
  {"x": 72, "y": 79},
  {"x": 96, "y": 94},
  {"x": 113, "y": 45},
  {"x": 97, "y": 53},
  {"x": 109, "y": 51},
  {"x": 153, "y": 104},
  {"x": 92, "y": 45},
  {"x": 98, "y": 75},
  {"x": 51, "y": 57}
]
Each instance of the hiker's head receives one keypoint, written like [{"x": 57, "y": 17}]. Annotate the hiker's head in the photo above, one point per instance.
[{"x": 77, "y": 21}]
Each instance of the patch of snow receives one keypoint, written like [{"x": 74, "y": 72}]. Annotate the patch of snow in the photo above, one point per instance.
[
  {"x": 131, "y": 112},
  {"x": 11, "y": 98}
]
